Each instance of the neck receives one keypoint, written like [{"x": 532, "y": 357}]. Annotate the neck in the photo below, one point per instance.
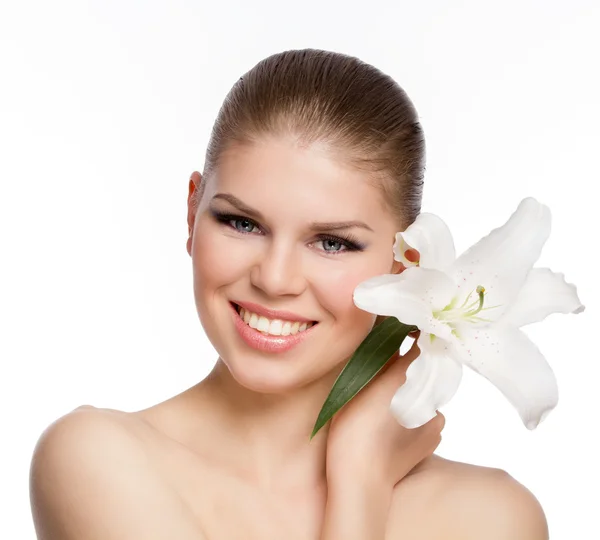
[{"x": 266, "y": 437}]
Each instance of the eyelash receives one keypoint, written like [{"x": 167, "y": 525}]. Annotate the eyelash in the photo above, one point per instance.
[{"x": 349, "y": 241}]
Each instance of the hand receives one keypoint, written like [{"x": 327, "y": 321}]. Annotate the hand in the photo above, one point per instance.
[{"x": 365, "y": 442}]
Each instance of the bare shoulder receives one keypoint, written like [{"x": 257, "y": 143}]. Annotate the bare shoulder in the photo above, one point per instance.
[
  {"x": 91, "y": 479},
  {"x": 466, "y": 502}
]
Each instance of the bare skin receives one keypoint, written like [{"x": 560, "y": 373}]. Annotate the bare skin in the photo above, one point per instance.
[
  {"x": 439, "y": 498},
  {"x": 230, "y": 456}
]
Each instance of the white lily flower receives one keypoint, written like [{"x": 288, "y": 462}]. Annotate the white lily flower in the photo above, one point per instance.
[{"x": 469, "y": 311}]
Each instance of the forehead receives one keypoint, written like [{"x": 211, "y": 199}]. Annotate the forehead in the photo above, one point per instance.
[{"x": 278, "y": 174}]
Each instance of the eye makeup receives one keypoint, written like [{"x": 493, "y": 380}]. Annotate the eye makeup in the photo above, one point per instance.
[{"x": 348, "y": 240}]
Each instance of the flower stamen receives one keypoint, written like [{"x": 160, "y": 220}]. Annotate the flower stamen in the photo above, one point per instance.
[
  {"x": 465, "y": 312},
  {"x": 412, "y": 255}
]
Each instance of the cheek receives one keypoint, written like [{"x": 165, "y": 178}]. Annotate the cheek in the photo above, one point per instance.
[
  {"x": 217, "y": 262},
  {"x": 217, "y": 259},
  {"x": 335, "y": 289}
]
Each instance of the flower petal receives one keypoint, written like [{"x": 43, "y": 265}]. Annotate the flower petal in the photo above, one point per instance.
[
  {"x": 501, "y": 261},
  {"x": 505, "y": 356},
  {"x": 432, "y": 379},
  {"x": 431, "y": 237},
  {"x": 544, "y": 292},
  {"x": 410, "y": 296}
]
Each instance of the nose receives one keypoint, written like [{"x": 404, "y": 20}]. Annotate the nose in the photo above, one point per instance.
[{"x": 279, "y": 271}]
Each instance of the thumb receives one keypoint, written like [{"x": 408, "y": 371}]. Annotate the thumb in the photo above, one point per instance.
[
  {"x": 414, "y": 350},
  {"x": 397, "y": 365}
]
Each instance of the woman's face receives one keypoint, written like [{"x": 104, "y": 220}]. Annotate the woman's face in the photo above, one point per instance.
[{"x": 270, "y": 231}]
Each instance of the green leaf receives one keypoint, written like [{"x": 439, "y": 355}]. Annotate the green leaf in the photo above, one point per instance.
[{"x": 370, "y": 356}]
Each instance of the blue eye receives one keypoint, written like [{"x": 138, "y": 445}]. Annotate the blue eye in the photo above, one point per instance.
[
  {"x": 245, "y": 225},
  {"x": 330, "y": 241}
]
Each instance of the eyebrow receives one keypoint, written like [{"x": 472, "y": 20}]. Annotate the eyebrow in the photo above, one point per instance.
[{"x": 314, "y": 225}]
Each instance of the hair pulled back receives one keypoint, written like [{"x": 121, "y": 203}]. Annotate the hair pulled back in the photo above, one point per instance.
[{"x": 360, "y": 114}]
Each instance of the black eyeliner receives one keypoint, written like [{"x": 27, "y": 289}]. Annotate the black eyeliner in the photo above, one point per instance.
[
  {"x": 351, "y": 242},
  {"x": 348, "y": 240}
]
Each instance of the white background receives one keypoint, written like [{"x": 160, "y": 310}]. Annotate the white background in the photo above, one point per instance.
[{"x": 105, "y": 110}]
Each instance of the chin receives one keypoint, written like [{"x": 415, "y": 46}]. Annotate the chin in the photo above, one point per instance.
[
  {"x": 264, "y": 375},
  {"x": 275, "y": 374},
  {"x": 258, "y": 365}
]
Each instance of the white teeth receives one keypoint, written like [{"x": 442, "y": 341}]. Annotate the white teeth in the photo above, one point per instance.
[
  {"x": 253, "y": 320},
  {"x": 275, "y": 327},
  {"x": 263, "y": 324}
]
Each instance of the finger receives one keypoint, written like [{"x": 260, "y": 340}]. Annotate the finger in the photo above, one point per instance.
[
  {"x": 414, "y": 349},
  {"x": 398, "y": 364},
  {"x": 441, "y": 421},
  {"x": 392, "y": 360}
]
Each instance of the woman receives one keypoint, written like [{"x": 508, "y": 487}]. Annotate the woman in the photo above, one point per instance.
[{"x": 316, "y": 160}]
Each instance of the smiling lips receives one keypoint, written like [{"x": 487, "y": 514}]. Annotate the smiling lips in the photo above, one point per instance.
[
  {"x": 271, "y": 313},
  {"x": 274, "y": 327},
  {"x": 269, "y": 335}
]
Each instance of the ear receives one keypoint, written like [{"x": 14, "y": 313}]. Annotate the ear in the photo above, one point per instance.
[{"x": 195, "y": 190}]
